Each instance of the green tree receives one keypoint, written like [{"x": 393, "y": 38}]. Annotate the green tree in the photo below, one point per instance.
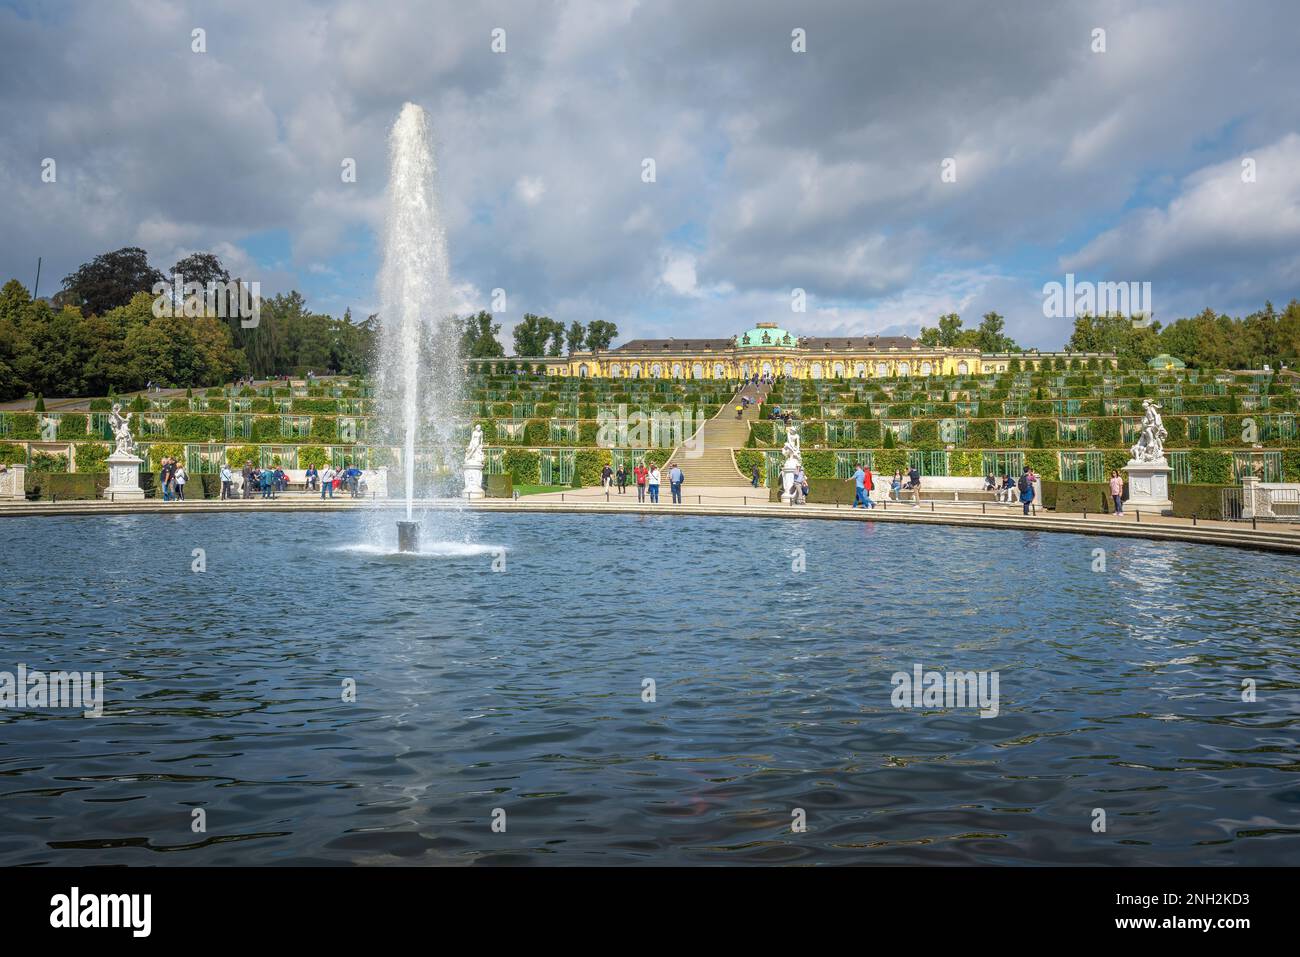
[
  {"x": 478, "y": 338},
  {"x": 576, "y": 336},
  {"x": 530, "y": 335},
  {"x": 110, "y": 280},
  {"x": 600, "y": 334}
]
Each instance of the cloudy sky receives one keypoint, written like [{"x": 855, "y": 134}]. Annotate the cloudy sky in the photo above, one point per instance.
[{"x": 820, "y": 170}]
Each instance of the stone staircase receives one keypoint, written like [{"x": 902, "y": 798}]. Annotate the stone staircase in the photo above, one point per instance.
[{"x": 713, "y": 466}]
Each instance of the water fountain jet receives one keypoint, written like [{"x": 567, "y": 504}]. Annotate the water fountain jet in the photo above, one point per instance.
[{"x": 419, "y": 370}]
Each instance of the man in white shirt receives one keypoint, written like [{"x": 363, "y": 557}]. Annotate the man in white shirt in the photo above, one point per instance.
[
  {"x": 327, "y": 482},
  {"x": 225, "y": 480}
]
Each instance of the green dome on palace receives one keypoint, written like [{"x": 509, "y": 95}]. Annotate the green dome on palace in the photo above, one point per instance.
[
  {"x": 1166, "y": 362},
  {"x": 776, "y": 336}
]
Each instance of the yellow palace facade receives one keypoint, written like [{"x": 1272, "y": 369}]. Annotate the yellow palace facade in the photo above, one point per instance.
[{"x": 768, "y": 349}]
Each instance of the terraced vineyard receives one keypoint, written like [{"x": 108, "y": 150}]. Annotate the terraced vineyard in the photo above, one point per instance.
[{"x": 1070, "y": 425}]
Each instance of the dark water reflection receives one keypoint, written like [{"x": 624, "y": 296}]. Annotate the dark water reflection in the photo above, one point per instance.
[{"x": 522, "y": 690}]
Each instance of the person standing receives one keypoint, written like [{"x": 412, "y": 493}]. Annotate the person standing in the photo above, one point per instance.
[
  {"x": 622, "y": 480},
  {"x": 247, "y": 474},
  {"x": 914, "y": 483},
  {"x": 640, "y": 473},
  {"x": 754, "y": 476},
  {"x": 327, "y": 482},
  {"x": 165, "y": 478},
  {"x": 1117, "y": 492},
  {"x": 1026, "y": 487},
  {"x": 181, "y": 478},
  {"x": 675, "y": 478},
  {"x": 606, "y": 478},
  {"x": 226, "y": 479},
  {"x": 652, "y": 483}
]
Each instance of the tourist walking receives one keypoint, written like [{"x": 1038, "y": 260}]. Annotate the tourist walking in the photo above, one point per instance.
[
  {"x": 868, "y": 481},
  {"x": 859, "y": 483},
  {"x": 675, "y": 478},
  {"x": 641, "y": 474},
  {"x": 652, "y": 483},
  {"x": 181, "y": 478},
  {"x": 754, "y": 476},
  {"x": 1117, "y": 492},
  {"x": 622, "y": 480},
  {"x": 606, "y": 477},
  {"x": 327, "y": 482},
  {"x": 226, "y": 481},
  {"x": 1026, "y": 487}
]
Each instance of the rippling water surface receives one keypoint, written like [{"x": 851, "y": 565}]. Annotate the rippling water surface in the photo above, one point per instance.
[{"x": 522, "y": 689}]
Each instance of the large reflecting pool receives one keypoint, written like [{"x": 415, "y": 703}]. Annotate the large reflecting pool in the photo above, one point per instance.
[{"x": 523, "y": 689}]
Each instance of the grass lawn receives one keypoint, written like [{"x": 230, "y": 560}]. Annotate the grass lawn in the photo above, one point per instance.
[{"x": 535, "y": 489}]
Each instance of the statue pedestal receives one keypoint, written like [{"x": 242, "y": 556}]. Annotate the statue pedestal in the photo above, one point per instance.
[
  {"x": 787, "y": 484},
  {"x": 13, "y": 483},
  {"x": 1255, "y": 501},
  {"x": 473, "y": 482},
  {"x": 124, "y": 478},
  {"x": 1148, "y": 485}
]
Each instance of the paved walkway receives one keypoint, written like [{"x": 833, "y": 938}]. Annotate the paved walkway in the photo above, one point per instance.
[{"x": 1269, "y": 537}]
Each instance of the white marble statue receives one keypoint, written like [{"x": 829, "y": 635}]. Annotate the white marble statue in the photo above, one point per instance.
[
  {"x": 475, "y": 457},
  {"x": 793, "y": 463},
  {"x": 122, "y": 430},
  {"x": 791, "y": 448},
  {"x": 1150, "y": 445}
]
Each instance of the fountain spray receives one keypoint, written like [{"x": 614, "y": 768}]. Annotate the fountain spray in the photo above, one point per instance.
[{"x": 419, "y": 372}]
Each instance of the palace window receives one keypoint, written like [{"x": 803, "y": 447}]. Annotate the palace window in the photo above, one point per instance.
[
  {"x": 904, "y": 368},
  {"x": 963, "y": 368},
  {"x": 926, "y": 368},
  {"x": 816, "y": 371}
]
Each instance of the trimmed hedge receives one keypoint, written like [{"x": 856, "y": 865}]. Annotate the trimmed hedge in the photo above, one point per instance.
[
  {"x": 1078, "y": 496},
  {"x": 499, "y": 486},
  {"x": 65, "y": 486},
  {"x": 1198, "y": 501},
  {"x": 821, "y": 491}
]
